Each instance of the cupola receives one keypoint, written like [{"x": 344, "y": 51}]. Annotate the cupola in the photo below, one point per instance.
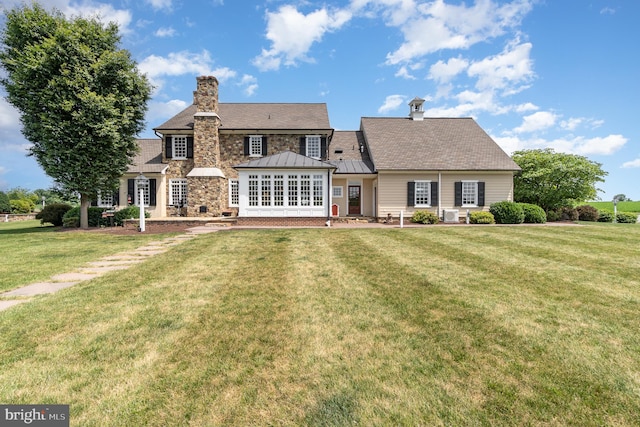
[{"x": 416, "y": 111}]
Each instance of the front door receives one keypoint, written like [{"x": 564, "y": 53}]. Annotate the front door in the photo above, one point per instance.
[{"x": 354, "y": 200}]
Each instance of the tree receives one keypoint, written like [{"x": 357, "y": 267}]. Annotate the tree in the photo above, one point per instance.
[
  {"x": 621, "y": 198},
  {"x": 552, "y": 180},
  {"x": 81, "y": 98},
  {"x": 5, "y": 204}
]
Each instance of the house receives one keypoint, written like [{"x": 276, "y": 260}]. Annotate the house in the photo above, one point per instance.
[{"x": 270, "y": 162}]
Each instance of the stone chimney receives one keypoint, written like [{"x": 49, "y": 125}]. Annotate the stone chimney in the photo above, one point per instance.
[
  {"x": 206, "y": 141},
  {"x": 206, "y": 186},
  {"x": 415, "y": 109}
]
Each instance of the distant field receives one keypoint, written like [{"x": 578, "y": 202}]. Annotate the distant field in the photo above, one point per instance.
[{"x": 622, "y": 206}]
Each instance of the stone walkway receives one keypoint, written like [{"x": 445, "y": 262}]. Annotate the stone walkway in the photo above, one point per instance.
[{"x": 98, "y": 268}]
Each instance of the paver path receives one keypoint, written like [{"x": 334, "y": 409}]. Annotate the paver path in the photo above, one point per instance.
[{"x": 91, "y": 270}]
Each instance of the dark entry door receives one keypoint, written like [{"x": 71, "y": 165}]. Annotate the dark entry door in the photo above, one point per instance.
[{"x": 354, "y": 200}]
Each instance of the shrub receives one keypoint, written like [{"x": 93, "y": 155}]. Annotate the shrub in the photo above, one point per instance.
[
  {"x": 5, "y": 205},
  {"x": 424, "y": 217},
  {"x": 22, "y": 206},
  {"x": 554, "y": 215},
  {"x": 587, "y": 213},
  {"x": 569, "y": 214},
  {"x": 507, "y": 212},
  {"x": 53, "y": 213},
  {"x": 626, "y": 218},
  {"x": 605, "y": 216},
  {"x": 94, "y": 213},
  {"x": 533, "y": 214},
  {"x": 128, "y": 213},
  {"x": 482, "y": 218},
  {"x": 71, "y": 221}
]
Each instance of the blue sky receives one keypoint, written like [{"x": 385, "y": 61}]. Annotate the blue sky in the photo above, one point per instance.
[{"x": 533, "y": 73}]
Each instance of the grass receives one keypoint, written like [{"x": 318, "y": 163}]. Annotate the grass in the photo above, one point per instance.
[
  {"x": 420, "y": 326},
  {"x": 32, "y": 252},
  {"x": 621, "y": 207}
]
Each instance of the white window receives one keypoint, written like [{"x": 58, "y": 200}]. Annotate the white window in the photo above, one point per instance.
[
  {"x": 286, "y": 190},
  {"x": 145, "y": 189},
  {"x": 234, "y": 195},
  {"x": 469, "y": 193},
  {"x": 105, "y": 200},
  {"x": 337, "y": 192},
  {"x": 423, "y": 193},
  {"x": 179, "y": 147},
  {"x": 255, "y": 145},
  {"x": 178, "y": 192},
  {"x": 313, "y": 146}
]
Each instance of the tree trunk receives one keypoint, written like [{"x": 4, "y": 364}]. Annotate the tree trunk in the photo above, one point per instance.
[{"x": 84, "y": 210}]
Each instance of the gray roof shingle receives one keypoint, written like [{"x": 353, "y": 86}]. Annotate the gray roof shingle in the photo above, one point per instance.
[
  {"x": 149, "y": 158},
  {"x": 346, "y": 155},
  {"x": 433, "y": 144},
  {"x": 258, "y": 116}
]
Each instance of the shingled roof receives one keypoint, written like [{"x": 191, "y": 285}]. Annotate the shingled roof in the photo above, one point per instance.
[
  {"x": 149, "y": 158},
  {"x": 433, "y": 144},
  {"x": 346, "y": 153},
  {"x": 258, "y": 116}
]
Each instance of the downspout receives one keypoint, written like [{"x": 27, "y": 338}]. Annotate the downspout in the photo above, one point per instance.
[
  {"x": 439, "y": 193},
  {"x": 329, "y": 192}
]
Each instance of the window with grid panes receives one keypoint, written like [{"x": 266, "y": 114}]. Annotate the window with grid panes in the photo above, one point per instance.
[
  {"x": 317, "y": 190},
  {"x": 234, "y": 194},
  {"x": 313, "y": 146},
  {"x": 179, "y": 147},
  {"x": 105, "y": 200},
  {"x": 177, "y": 192},
  {"x": 266, "y": 190},
  {"x": 469, "y": 193},
  {"x": 255, "y": 145},
  {"x": 423, "y": 193},
  {"x": 145, "y": 193},
  {"x": 254, "y": 187},
  {"x": 305, "y": 190},
  {"x": 278, "y": 190}
]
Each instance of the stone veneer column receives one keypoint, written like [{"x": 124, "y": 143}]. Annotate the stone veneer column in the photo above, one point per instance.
[{"x": 206, "y": 190}]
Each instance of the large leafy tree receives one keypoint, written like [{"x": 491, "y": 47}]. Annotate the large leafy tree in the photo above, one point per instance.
[
  {"x": 552, "y": 180},
  {"x": 81, "y": 97}
]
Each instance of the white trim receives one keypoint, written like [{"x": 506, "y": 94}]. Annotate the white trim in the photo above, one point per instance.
[
  {"x": 319, "y": 146},
  {"x": 340, "y": 193},
  {"x": 415, "y": 194},
  {"x": 469, "y": 205},
  {"x": 173, "y": 147},
  {"x": 182, "y": 190}
]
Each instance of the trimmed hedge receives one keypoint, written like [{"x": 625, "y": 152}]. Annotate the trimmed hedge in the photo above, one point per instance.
[
  {"x": 533, "y": 214},
  {"x": 507, "y": 212},
  {"x": 605, "y": 216},
  {"x": 53, "y": 213},
  {"x": 95, "y": 216},
  {"x": 481, "y": 218},
  {"x": 626, "y": 217},
  {"x": 424, "y": 217},
  {"x": 130, "y": 212}
]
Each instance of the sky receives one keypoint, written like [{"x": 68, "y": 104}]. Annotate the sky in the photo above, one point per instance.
[{"x": 533, "y": 73}]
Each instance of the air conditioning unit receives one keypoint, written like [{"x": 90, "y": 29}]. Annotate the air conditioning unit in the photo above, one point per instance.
[{"x": 451, "y": 215}]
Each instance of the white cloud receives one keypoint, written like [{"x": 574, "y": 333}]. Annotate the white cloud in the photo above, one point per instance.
[
  {"x": 391, "y": 103},
  {"x": 250, "y": 84},
  {"x": 507, "y": 71},
  {"x": 538, "y": 121},
  {"x": 607, "y": 11},
  {"x": 165, "y": 32},
  {"x": 404, "y": 73},
  {"x": 435, "y": 25},
  {"x": 577, "y": 145},
  {"x": 443, "y": 72},
  {"x": 526, "y": 107},
  {"x": 292, "y": 34},
  {"x": 632, "y": 164},
  {"x": 160, "y": 4},
  {"x": 160, "y": 111}
]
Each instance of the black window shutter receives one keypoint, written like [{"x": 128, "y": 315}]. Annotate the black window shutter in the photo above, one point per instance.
[
  {"x": 189, "y": 147},
  {"x": 116, "y": 197},
  {"x": 94, "y": 203},
  {"x": 458, "y": 194},
  {"x": 131, "y": 190},
  {"x": 323, "y": 148},
  {"x": 480, "y": 193},
  {"x": 246, "y": 145},
  {"x": 264, "y": 145},
  {"x": 303, "y": 145},
  {"x": 434, "y": 193},
  {"x": 167, "y": 146},
  {"x": 411, "y": 193},
  {"x": 152, "y": 192}
]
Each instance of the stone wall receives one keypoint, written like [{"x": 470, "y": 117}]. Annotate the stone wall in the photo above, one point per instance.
[{"x": 17, "y": 217}]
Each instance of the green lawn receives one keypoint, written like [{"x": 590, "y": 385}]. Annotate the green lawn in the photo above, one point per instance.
[
  {"x": 485, "y": 325},
  {"x": 32, "y": 252}
]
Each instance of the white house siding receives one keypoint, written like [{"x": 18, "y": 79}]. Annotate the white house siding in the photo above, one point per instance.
[
  {"x": 160, "y": 208},
  {"x": 367, "y": 207},
  {"x": 392, "y": 190}
]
